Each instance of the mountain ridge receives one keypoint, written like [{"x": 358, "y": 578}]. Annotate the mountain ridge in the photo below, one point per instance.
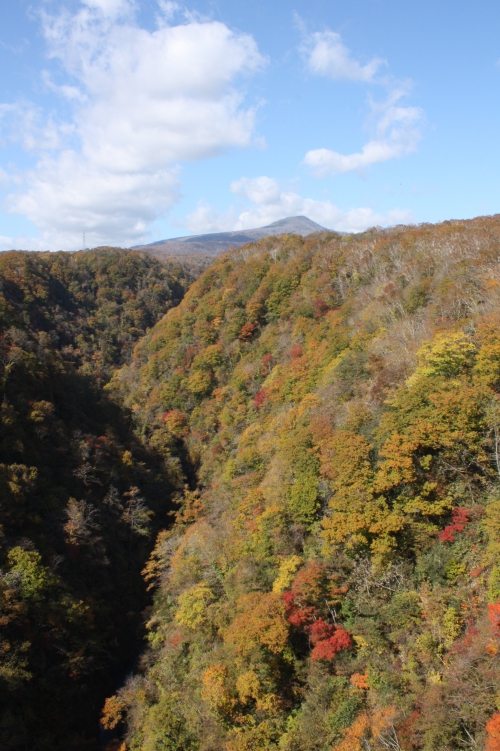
[{"x": 214, "y": 243}]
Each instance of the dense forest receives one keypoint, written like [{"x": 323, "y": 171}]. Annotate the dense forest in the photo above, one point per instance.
[
  {"x": 259, "y": 514},
  {"x": 332, "y": 582},
  {"x": 80, "y": 496}
]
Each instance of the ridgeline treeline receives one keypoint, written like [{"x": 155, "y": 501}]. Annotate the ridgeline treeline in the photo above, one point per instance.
[{"x": 323, "y": 417}]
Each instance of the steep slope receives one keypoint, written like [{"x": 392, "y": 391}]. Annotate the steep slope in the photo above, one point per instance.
[
  {"x": 79, "y": 495},
  {"x": 333, "y": 582}
]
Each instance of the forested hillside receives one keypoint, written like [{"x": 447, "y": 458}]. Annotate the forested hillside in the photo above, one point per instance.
[
  {"x": 93, "y": 305},
  {"x": 80, "y": 497},
  {"x": 333, "y": 581}
]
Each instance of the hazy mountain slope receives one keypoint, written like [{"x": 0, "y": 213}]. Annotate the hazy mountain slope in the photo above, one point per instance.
[
  {"x": 214, "y": 244},
  {"x": 334, "y": 582},
  {"x": 77, "y": 489}
]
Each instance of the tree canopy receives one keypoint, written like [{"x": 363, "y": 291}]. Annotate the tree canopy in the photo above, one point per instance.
[
  {"x": 333, "y": 583},
  {"x": 80, "y": 497}
]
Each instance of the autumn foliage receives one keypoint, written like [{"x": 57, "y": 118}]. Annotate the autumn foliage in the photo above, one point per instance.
[
  {"x": 459, "y": 521},
  {"x": 327, "y": 639},
  {"x": 334, "y": 585},
  {"x": 493, "y": 733},
  {"x": 326, "y": 574},
  {"x": 78, "y": 498}
]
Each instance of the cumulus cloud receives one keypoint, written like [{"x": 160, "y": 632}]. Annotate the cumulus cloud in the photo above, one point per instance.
[
  {"x": 397, "y": 131},
  {"x": 143, "y": 102},
  {"x": 396, "y": 128},
  {"x": 108, "y": 205},
  {"x": 263, "y": 191},
  {"x": 268, "y": 203},
  {"x": 327, "y": 55}
]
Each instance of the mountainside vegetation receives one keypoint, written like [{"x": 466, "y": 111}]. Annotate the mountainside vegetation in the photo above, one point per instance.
[
  {"x": 331, "y": 582},
  {"x": 94, "y": 305},
  {"x": 287, "y": 477},
  {"x": 80, "y": 496}
]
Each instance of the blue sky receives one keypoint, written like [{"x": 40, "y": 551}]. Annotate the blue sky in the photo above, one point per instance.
[{"x": 134, "y": 121}]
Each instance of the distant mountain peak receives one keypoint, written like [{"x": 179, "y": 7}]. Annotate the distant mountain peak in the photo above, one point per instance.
[
  {"x": 298, "y": 221},
  {"x": 214, "y": 243}
]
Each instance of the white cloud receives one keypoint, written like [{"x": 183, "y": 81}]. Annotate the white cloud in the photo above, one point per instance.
[
  {"x": 6, "y": 242},
  {"x": 24, "y": 124},
  {"x": 263, "y": 191},
  {"x": 68, "y": 92},
  {"x": 397, "y": 131},
  {"x": 397, "y": 134},
  {"x": 205, "y": 219},
  {"x": 143, "y": 102},
  {"x": 110, "y": 8},
  {"x": 327, "y": 55},
  {"x": 270, "y": 203},
  {"x": 74, "y": 195},
  {"x": 24, "y": 242},
  {"x": 169, "y": 8}
]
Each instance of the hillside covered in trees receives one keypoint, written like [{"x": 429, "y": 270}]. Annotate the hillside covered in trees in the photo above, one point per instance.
[
  {"x": 80, "y": 496},
  {"x": 332, "y": 581},
  {"x": 300, "y": 455}
]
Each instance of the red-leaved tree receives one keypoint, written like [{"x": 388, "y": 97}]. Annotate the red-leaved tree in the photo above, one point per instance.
[
  {"x": 459, "y": 519},
  {"x": 328, "y": 640}
]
